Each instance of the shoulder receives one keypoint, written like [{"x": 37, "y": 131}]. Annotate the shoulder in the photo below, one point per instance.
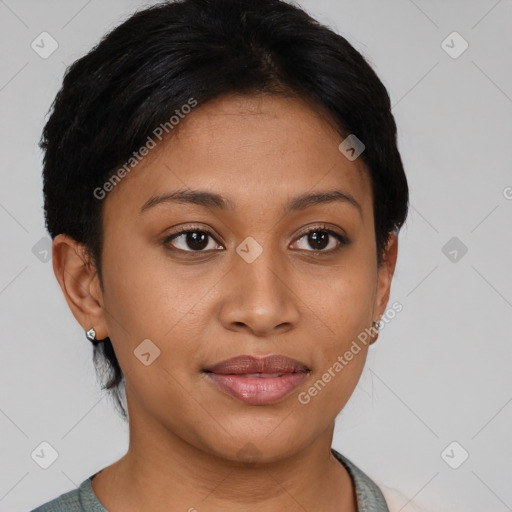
[
  {"x": 68, "y": 502},
  {"x": 373, "y": 497},
  {"x": 368, "y": 494},
  {"x": 81, "y": 499}
]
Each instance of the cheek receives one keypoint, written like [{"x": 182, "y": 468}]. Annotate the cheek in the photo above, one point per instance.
[
  {"x": 342, "y": 312},
  {"x": 351, "y": 294},
  {"x": 148, "y": 298},
  {"x": 340, "y": 298},
  {"x": 327, "y": 392},
  {"x": 345, "y": 310},
  {"x": 144, "y": 298}
]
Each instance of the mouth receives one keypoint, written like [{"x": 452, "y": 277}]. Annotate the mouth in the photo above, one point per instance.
[{"x": 258, "y": 381}]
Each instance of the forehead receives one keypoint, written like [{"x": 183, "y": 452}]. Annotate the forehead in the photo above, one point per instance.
[{"x": 256, "y": 150}]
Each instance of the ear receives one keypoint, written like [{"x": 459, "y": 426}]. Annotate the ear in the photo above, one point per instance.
[
  {"x": 385, "y": 276},
  {"x": 79, "y": 282}
]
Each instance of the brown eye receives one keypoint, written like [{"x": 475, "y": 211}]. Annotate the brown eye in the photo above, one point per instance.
[
  {"x": 323, "y": 240},
  {"x": 192, "y": 240}
]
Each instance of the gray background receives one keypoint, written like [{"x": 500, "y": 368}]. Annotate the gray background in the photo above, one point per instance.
[{"x": 441, "y": 369}]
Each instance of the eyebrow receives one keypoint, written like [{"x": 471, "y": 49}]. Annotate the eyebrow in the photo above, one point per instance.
[{"x": 214, "y": 201}]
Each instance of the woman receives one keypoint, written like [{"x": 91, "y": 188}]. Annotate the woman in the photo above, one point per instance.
[{"x": 224, "y": 192}]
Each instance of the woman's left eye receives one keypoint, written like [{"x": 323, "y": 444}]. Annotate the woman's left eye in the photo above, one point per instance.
[
  {"x": 320, "y": 237},
  {"x": 197, "y": 240}
]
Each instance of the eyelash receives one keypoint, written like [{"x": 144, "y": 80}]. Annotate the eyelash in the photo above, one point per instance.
[{"x": 321, "y": 228}]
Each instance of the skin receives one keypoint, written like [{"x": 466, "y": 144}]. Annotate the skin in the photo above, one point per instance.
[{"x": 186, "y": 436}]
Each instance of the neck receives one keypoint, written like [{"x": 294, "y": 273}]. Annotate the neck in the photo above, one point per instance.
[{"x": 161, "y": 468}]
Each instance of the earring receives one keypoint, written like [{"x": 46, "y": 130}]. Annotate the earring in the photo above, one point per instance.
[
  {"x": 375, "y": 325},
  {"x": 91, "y": 336}
]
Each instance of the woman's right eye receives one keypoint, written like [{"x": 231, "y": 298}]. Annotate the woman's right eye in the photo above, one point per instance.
[{"x": 195, "y": 239}]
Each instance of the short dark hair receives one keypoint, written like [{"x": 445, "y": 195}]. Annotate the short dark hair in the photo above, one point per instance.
[{"x": 141, "y": 72}]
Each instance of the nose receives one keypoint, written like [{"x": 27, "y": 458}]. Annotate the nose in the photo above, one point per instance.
[{"x": 258, "y": 296}]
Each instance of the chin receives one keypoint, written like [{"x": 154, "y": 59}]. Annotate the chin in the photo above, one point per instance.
[{"x": 258, "y": 446}]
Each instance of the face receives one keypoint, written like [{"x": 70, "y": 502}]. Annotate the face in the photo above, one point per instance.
[{"x": 262, "y": 275}]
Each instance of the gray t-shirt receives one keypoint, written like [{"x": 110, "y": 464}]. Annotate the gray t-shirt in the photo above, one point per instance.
[{"x": 83, "y": 499}]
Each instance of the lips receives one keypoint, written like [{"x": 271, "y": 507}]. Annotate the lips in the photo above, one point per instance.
[
  {"x": 249, "y": 365},
  {"x": 258, "y": 381}
]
